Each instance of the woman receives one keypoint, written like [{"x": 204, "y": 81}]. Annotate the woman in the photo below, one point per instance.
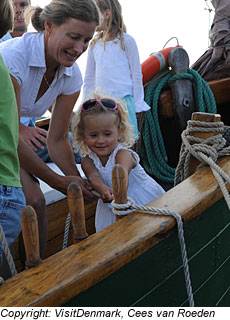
[{"x": 43, "y": 70}]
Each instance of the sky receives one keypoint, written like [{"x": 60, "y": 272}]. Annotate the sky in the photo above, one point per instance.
[{"x": 153, "y": 22}]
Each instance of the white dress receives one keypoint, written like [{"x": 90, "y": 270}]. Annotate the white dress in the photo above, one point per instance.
[
  {"x": 115, "y": 72},
  {"x": 142, "y": 188}
]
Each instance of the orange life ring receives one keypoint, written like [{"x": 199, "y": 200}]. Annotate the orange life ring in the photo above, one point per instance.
[{"x": 155, "y": 63}]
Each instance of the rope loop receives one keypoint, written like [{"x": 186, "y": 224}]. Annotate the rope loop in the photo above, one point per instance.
[
  {"x": 123, "y": 209},
  {"x": 201, "y": 149}
]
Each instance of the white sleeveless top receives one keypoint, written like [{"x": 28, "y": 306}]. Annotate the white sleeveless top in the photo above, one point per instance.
[{"x": 142, "y": 188}]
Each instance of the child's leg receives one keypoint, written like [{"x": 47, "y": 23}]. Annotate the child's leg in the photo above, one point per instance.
[{"x": 132, "y": 114}]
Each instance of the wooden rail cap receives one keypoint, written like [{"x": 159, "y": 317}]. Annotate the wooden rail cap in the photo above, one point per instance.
[
  {"x": 30, "y": 236},
  {"x": 77, "y": 210},
  {"x": 119, "y": 181},
  {"x": 205, "y": 117}
]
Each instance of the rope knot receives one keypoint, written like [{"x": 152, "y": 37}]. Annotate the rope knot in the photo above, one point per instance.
[
  {"x": 123, "y": 209},
  {"x": 206, "y": 151},
  {"x": 197, "y": 150},
  {"x": 210, "y": 146}
]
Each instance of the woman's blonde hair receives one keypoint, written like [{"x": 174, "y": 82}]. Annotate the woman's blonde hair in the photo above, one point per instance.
[
  {"x": 59, "y": 11},
  {"x": 6, "y": 17},
  {"x": 116, "y": 25},
  {"x": 78, "y": 124}
]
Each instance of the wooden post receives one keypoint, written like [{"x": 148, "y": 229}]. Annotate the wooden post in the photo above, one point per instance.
[
  {"x": 119, "y": 185},
  {"x": 205, "y": 117},
  {"x": 77, "y": 210},
  {"x": 182, "y": 90},
  {"x": 30, "y": 236}
]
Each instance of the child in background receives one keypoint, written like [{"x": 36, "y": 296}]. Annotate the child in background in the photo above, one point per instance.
[
  {"x": 113, "y": 62},
  {"x": 102, "y": 131}
]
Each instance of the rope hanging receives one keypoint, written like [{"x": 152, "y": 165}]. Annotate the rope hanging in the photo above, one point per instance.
[
  {"x": 8, "y": 255},
  {"x": 153, "y": 152},
  {"x": 130, "y": 206},
  {"x": 66, "y": 232}
]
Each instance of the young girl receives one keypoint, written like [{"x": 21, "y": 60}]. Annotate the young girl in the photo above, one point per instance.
[
  {"x": 102, "y": 131},
  {"x": 113, "y": 62}
]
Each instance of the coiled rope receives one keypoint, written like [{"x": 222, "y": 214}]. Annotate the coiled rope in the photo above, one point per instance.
[
  {"x": 153, "y": 152},
  {"x": 207, "y": 151}
]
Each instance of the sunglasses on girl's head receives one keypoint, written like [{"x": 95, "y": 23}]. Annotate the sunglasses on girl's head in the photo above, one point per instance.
[{"x": 107, "y": 103}]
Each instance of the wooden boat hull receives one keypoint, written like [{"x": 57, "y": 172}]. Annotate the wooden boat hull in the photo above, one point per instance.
[{"x": 137, "y": 260}]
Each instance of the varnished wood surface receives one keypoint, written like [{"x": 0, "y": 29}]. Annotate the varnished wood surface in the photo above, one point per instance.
[
  {"x": 220, "y": 89},
  {"x": 76, "y": 207},
  {"x": 80, "y": 266},
  {"x": 119, "y": 186},
  {"x": 30, "y": 236},
  {"x": 43, "y": 122}
]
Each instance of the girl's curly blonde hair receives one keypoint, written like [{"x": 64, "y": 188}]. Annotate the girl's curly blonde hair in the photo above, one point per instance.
[{"x": 78, "y": 124}]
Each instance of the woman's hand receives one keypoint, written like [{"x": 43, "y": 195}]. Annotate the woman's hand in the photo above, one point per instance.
[
  {"x": 34, "y": 137},
  {"x": 64, "y": 181}
]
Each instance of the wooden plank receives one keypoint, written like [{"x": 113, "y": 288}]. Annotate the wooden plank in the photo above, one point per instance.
[
  {"x": 225, "y": 299},
  {"x": 220, "y": 89},
  {"x": 222, "y": 245},
  {"x": 202, "y": 270},
  {"x": 217, "y": 285},
  {"x": 43, "y": 122},
  {"x": 81, "y": 266}
]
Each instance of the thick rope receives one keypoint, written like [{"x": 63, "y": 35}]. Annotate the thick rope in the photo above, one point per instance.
[
  {"x": 130, "y": 206},
  {"x": 8, "y": 254},
  {"x": 66, "y": 232},
  {"x": 207, "y": 151},
  {"x": 153, "y": 152}
]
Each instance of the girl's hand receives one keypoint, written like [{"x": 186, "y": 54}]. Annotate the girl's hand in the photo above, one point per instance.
[
  {"x": 35, "y": 137},
  {"x": 106, "y": 194}
]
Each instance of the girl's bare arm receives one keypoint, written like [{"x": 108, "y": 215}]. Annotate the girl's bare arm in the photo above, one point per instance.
[{"x": 95, "y": 179}]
